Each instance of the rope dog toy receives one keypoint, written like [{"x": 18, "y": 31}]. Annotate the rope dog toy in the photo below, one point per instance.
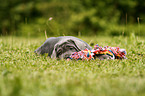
[{"x": 101, "y": 53}]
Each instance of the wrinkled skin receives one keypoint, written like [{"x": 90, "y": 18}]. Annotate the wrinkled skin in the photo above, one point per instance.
[{"x": 65, "y": 49}]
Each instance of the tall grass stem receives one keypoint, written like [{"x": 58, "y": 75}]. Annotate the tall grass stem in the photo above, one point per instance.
[
  {"x": 45, "y": 34},
  {"x": 138, "y": 25}
]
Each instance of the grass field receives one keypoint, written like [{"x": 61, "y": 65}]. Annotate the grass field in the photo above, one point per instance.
[{"x": 22, "y": 73}]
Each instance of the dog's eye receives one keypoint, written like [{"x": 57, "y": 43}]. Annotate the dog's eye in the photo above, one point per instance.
[{"x": 71, "y": 48}]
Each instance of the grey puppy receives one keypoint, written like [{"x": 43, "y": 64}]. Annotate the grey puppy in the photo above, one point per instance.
[{"x": 62, "y": 47}]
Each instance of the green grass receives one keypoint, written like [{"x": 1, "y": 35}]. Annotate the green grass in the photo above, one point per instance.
[{"x": 22, "y": 73}]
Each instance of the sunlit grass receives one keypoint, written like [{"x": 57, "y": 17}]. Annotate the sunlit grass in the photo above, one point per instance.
[{"x": 23, "y": 73}]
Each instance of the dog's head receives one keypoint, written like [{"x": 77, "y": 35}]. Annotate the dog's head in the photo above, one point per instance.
[{"x": 65, "y": 48}]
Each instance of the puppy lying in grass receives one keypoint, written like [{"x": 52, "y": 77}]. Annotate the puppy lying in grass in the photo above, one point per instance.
[
  {"x": 69, "y": 47},
  {"x": 62, "y": 47}
]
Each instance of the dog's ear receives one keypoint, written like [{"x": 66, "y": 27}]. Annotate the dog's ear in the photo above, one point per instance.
[{"x": 79, "y": 44}]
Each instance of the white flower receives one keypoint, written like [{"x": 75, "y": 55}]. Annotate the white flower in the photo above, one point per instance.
[{"x": 50, "y": 18}]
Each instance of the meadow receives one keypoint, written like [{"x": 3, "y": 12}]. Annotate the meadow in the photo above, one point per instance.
[{"x": 23, "y": 73}]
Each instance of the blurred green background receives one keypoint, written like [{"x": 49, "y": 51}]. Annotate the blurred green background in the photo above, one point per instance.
[{"x": 72, "y": 17}]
